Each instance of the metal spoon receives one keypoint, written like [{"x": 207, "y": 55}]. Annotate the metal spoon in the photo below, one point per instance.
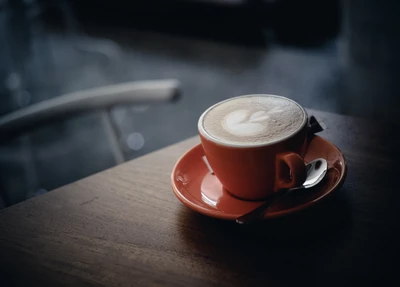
[{"x": 316, "y": 171}]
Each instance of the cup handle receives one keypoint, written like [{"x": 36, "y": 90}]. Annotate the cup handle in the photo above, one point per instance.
[{"x": 290, "y": 171}]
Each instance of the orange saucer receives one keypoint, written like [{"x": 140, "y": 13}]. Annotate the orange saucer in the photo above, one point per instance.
[{"x": 201, "y": 191}]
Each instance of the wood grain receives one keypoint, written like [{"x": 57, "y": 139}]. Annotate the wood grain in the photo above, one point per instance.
[{"x": 124, "y": 227}]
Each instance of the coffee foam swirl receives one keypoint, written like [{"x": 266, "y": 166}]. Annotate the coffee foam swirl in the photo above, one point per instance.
[
  {"x": 255, "y": 119},
  {"x": 245, "y": 123}
]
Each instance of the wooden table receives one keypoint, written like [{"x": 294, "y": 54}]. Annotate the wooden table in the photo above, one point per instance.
[{"x": 125, "y": 227}]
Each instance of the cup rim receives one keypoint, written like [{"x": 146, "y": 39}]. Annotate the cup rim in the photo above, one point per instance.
[{"x": 204, "y": 133}]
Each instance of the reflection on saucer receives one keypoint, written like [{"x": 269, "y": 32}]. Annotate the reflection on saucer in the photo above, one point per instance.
[{"x": 211, "y": 190}]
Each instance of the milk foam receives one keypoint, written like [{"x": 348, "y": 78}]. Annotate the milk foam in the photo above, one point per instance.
[{"x": 255, "y": 119}]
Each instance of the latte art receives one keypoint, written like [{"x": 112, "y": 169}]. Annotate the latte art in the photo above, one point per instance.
[
  {"x": 245, "y": 123},
  {"x": 252, "y": 120}
]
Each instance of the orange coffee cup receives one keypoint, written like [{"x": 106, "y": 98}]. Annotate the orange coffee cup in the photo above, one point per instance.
[{"x": 254, "y": 171}]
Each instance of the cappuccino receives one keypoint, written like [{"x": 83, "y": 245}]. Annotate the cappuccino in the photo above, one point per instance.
[{"x": 252, "y": 120}]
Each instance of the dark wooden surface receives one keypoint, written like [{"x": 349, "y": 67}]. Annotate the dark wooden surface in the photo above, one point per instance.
[{"x": 124, "y": 227}]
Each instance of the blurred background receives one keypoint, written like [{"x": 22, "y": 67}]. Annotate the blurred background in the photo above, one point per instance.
[{"x": 335, "y": 56}]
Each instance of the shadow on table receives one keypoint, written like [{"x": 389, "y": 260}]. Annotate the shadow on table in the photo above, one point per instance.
[{"x": 284, "y": 250}]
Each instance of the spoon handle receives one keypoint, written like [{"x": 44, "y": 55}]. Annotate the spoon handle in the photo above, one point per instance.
[{"x": 260, "y": 211}]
